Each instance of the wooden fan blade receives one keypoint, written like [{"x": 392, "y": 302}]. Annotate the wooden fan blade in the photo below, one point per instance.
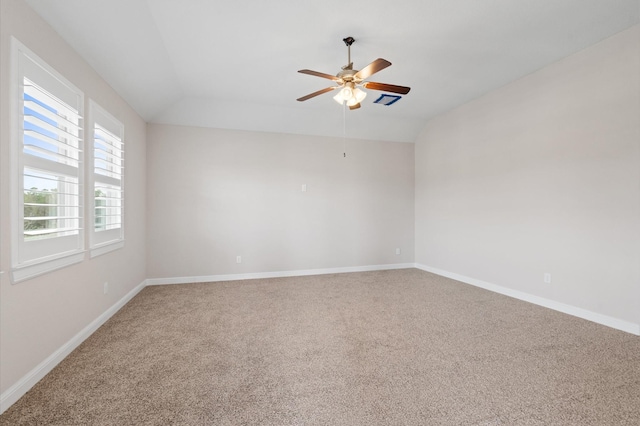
[
  {"x": 356, "y": 106},
  {"x": 319, "y": 74},
  {"x": 319, "y": 92},
  {"x": 403, "y": 90},
  {"x": 375, "y": 66}
]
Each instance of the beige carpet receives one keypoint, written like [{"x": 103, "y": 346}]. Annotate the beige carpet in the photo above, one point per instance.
[{"x": 398, "y": 347}]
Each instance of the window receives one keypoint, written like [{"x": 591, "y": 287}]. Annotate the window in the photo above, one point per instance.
[
  {"x": 107, "y": 173},
  {"x": 47, "y": 167}
]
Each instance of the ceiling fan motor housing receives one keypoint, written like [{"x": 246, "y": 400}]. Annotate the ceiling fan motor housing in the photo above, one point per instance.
[{"x": 347, "y": 74}]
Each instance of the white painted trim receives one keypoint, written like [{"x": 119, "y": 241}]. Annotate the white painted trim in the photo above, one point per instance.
[
  {"x": 278, "y": 274},
  {"x": 22, "y": 386},
  {"x": 606, "y": 320},
  {"x": 106, "y": 248},
  {"x": 27, "y": 272}
]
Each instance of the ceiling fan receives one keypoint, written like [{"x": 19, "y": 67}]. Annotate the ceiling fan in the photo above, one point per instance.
[{"x": 349, "y": 81}]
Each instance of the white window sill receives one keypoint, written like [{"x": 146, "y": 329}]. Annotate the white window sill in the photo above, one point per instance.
[
  {"x": 26, "y": 272},
  {"x": 106, "y": 248}
]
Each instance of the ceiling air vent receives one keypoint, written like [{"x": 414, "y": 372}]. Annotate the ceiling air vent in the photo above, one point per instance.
[{"x": 387, "y": 99}]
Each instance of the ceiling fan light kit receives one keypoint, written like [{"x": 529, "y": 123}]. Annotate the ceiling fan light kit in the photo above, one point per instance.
[
  {"x": 350, "y": 81},
  {"x": 350, "y": 94}
]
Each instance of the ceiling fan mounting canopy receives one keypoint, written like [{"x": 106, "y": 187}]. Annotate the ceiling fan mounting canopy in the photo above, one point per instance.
[
  {"x": 349, "y": 81},
  {"x": 348, "y": 41}
]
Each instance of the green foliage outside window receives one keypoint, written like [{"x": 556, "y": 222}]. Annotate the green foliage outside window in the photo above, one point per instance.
[{"x": 39, "y": 203}]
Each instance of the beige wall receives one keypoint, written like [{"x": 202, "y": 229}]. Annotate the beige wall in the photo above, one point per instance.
[
  {"x": 542, "y": 175},
  {"x": 38, "y": 316},
  {"x": 216, "y": 194}
]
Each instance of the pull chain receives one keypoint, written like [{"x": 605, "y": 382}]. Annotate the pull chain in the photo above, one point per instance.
[{"x": 344, "y": 130}]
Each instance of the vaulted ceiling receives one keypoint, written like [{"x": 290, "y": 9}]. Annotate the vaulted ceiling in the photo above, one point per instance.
[{"x": 233, "y": 64}]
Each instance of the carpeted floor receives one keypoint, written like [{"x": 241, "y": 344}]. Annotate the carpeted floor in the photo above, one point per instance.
[{"x": 400, "y": 347}]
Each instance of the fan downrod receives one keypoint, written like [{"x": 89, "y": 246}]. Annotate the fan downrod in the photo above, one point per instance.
[{"x": 348, "y": 42}]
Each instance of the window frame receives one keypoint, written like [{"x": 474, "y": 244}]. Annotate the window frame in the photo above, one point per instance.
[
  {"x": 36, "y": 257},
  {"x": 103, "y": 241}
]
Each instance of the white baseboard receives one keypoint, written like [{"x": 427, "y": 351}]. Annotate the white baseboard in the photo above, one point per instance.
[
  {"x": 22, "y": 386},
  {"x": 606, "y": 320},
  {"x": 278, "y": 274}
]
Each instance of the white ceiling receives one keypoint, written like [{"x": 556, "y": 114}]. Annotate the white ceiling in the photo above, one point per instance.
[{"x": 233, "y": 64}]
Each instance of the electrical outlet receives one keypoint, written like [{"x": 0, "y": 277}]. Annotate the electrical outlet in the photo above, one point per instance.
[
  {"x": 397, "y": 251},
  {"x": 304, "y": 187},
  {"x": 238, "y": 259},
  {"x": 547, "y": 278},
  {"x": 105, "y": 287}
]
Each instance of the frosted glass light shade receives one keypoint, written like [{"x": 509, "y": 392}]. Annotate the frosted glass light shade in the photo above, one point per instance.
[
  {"x": 358, "y": 96},
  {"x": 351, "y": 96}
]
